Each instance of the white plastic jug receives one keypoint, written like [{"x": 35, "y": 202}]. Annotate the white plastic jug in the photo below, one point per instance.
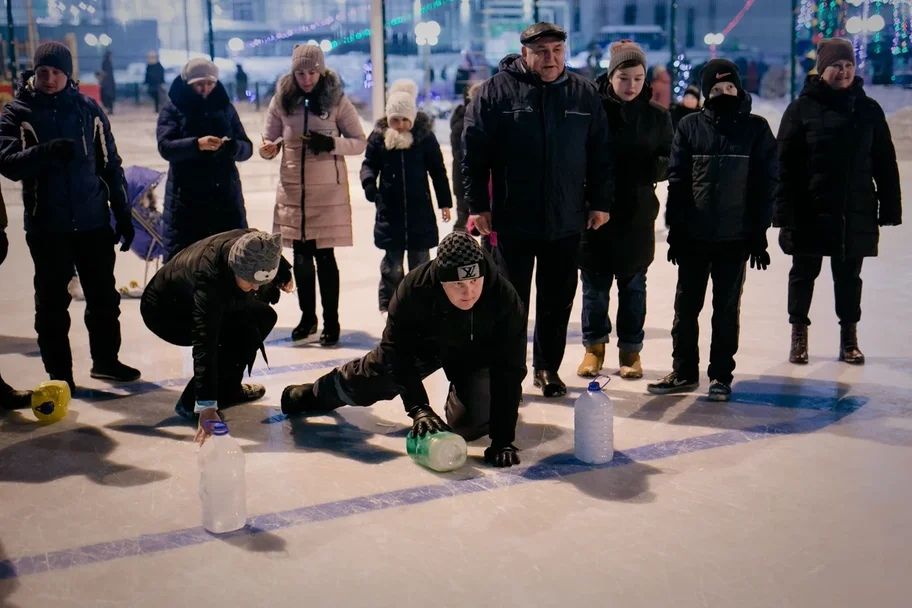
[
  {"x": 593, "y": 426},
  {"x": 222, "y": 487}
]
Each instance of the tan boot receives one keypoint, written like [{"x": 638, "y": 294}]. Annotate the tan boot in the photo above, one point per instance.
[
  {"x": 631, "y": 368},
  {"x": 592, "y": 361}
]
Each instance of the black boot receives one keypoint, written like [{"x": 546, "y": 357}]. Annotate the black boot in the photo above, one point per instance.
[
  {"x": 549, "y": 382},
  {"x": 799, "y": 350},
  {"x": 848, "y": 349},
  {"x": 305, "y": 329},
  {"x": 330, "y": 335},
  {"x": 298, "y": 398},
  {"x": 11, "y": 399}
]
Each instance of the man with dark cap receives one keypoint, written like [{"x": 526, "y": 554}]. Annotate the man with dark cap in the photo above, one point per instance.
[
  {"x": 839, "y": 183},
  {"x": 721, "y": 179},
  {"x": 58, "y": 143},
  {"x": 456, "y": 312},
  {"x": 214, "y": 296},
  {"x": 540, "y": 134}
]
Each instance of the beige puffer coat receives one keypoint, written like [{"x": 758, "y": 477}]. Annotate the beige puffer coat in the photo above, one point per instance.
[{"x": 321, "y": 203}]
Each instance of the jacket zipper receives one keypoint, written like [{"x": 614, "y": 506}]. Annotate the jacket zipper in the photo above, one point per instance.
[
  {"x": 472, "y": 325},
  {"x": 404, "y": 200}
]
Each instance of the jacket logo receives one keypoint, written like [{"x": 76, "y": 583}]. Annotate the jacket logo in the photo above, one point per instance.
[
  {"x": 723, "y": 75},
  {"x": 467, "y": 272}
]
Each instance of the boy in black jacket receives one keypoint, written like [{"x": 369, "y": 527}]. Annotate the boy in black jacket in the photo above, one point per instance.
[
  {"x": 456, "y": 312},
  {"x": 721, "y": 181}
]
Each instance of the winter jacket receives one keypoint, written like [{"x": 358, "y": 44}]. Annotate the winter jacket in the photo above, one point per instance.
[
  {"x": 155, "y": 76},
  {"x": 546, "y": 147},
  {"x": 679, "y": 111},
  {"x": 721, "y": 177},
  {"x": 423, "y": 326},
  {"x": 641, "y": 132},
  {"x": 457, "y": 122},
  {"x": 62, "y": 196},
  {"x": 405, "y": 216},
  {"x": 312, "y": 201},
  {"x": 199, "y": 285},
  {"x": 838, "y": 174},
  {"x": 203, "y": 194}
]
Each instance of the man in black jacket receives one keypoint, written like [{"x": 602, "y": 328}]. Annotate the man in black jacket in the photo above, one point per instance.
[
  {"x": 541, "y": 135},
  {"x": 58, "y": 142},
  {"x": 721, "y": 180},
  {"x": 456, "y": 312},
  {"x": 207, "y": 297}
]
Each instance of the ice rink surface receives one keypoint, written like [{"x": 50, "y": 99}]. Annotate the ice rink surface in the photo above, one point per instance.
[{"x": 796, "y": 493}]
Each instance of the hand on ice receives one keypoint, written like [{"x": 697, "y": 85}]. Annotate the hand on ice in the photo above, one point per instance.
[{"x": 502, "y": 456}]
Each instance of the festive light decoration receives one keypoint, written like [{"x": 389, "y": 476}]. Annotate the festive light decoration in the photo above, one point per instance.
[{"x": 683, "y": 69}]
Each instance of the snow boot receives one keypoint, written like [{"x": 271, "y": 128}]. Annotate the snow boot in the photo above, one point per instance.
[
  {"x": 799, "y": 350},
  {"x": 592, "y": 361},
  {"x": 848, "y": 349},
  {"x": 631, "y": 368}
]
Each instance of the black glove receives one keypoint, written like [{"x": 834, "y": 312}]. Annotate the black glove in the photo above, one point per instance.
[
  {"x": 4, "y": 245},
  {"x": 672, "y": 250},
  {"x": 229, "y": 148},
  {"x": 371, "y": 194},
  {"x": 888, "y": 221},
  {"x": 502, "y": 456},
  {"x": 425, "y": 421},
  {"x": 758, "y": 255},
  {"x": 317, "y": 142},
  {"x": 124, "y": 231},
  {"x": 62, "y": 150}
]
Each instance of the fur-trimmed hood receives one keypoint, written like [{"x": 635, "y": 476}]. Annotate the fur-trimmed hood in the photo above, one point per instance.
[
  {"x": 423, "y": 126},
  {"x": 326, "y": 95}
]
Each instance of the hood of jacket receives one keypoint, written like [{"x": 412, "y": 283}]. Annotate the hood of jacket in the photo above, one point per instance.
[
  {"x": 27, "y": 93},
  {"x": 188, "y": 101},
  {"x": 422, "y": 128},
  {"x": 139, "y": 181},
  {"x": 603, "y": 83},
  {"x": 817, "y": 89},
  {"x": 514, "y": 65}
]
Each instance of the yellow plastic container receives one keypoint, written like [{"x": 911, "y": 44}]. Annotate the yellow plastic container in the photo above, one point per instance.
[{"x": 50, "y": 401}]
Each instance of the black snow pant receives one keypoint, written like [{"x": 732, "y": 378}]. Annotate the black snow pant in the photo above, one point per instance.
[
  {"x": 392, "y": 271},
  {"x": 327, "y": 272},
  {"x": 555, "y": 287},
  {"x": 55, "y": 255},
  {"x": 241, "y": 335},
  {"x": 367, "y": 380},
  {"x": 846, "y": 285},
  {"x": 727, "y": 267}
]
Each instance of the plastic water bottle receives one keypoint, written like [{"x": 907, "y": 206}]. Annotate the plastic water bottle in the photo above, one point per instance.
[
  {"x": 593, "y": 426},
  {"x": 222, "y": 488},
  {"x": 441, "y": 451},
  {"x": 50, "y": 401}
]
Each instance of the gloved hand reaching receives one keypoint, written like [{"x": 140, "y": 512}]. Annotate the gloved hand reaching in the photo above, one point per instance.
[
  {"x": 425, "y": 421},
  {"x": 758, "y": 255},
  {"x": 501, "y": 456},
  {"x": 124, "y": 231},
  {"x": 62, "y": 150},
  {"x": 317, "y": 142}
]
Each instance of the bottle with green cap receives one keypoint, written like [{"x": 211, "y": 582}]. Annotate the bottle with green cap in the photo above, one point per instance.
[
  {"x": 441, "y": 451},
  {"x": 222, "y": 486}
]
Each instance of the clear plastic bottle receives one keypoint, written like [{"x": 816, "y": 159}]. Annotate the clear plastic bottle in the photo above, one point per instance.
[
  {"x": 442, "y": 451},
  {"x": 593, "y": 426},
  {"x": 222, "y": 488}
]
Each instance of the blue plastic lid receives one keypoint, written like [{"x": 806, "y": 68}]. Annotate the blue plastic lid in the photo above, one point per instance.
[
  {"x": 594, "y": 387},
  {"x": 218, "y": 428}
]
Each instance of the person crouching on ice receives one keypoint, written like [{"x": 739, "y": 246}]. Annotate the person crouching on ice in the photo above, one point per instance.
[
  {"x": 214, "y": 296},
  {"x": 456, "y": 312}
]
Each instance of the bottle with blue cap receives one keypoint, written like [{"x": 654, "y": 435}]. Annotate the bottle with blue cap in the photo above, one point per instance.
[
  {"x": 222, "y": 486},
  {"x": 593, "y": 426}
]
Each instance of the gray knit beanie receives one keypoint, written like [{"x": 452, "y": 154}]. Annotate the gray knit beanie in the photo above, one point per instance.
[
  {"x": 623, "y": 51},
  {"x": 306, "y": 58},
  {"x": 255, "y": 256},
  {"x": 199, "y": 69},
  {"x": 459, "y": 258}
]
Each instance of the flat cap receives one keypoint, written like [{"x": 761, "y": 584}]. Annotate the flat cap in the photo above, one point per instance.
[{"x": 540, "y": 30}]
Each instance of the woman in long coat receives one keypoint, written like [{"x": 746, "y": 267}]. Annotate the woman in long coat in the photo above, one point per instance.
[
  {"x": 838, "y": 183},
  {"x": 315, "y": 126}
]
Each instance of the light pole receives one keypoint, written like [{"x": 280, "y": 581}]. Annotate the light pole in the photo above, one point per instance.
[
  {"x": 12, "y": 45},
  {"x": 209, "y": 22}
]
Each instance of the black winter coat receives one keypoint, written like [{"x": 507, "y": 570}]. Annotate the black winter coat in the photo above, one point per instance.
[
  {"x": 457, "y": 123},
  {"x": 423, "y": 326},
  {"x": 546, "y": 147},
  {"x": 838, "y": 174},
  {"x": 197, "y": 286},
  {"x": 203, "y": 195},
  {"x": 641, "y": 132},
  {"x": 721, "y": 177},
  {"x": 405, "y": 217},
  {"x": 62, "y": 196}
]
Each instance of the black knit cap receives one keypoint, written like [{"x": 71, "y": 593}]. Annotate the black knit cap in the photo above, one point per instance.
[
  {"x": 459, "y": 258},
  {"x": 720, "y": 70},
  {"x": 54, "y": 55}
]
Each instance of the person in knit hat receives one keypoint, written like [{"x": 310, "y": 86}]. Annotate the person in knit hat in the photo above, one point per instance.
[
  {"x": 721, "y": 182},
  {"x": 58, "y": 143},
  {"x": 215, "y": 297},
  {"x": 689, "y": 104},
  {"x": 315, "y": 126},
  {"x": 402, "y": 152},
  {"x": 201, "y": 136},
  {"x": 839, "y": 184},
  {"x": 456, "y": 312}
]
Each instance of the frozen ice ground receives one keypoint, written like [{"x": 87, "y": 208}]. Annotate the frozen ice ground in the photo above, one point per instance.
[{"x": 794, "y": 494}]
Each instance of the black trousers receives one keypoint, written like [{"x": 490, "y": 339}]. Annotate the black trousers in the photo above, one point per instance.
[
  {"x": 392, "y": 271},
  {"x": 327, "y": 272},
  {"x": 555, "y": 287},
  {"x": 846, "y": 285},
  {"x": 727, "y": 269},
  {"x": 241, "y": 335},
  {"x": 365, "y": 381},
  {"x": 55, "y": 255}
]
